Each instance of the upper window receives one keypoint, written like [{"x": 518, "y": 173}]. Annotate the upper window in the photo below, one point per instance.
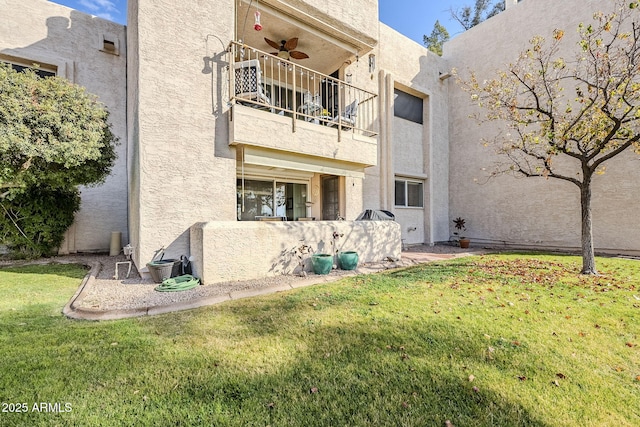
[
  {"x": 409, "y": 193},
  {"x": 407, "y": 106},
  {"x": 39, "y": 71}
]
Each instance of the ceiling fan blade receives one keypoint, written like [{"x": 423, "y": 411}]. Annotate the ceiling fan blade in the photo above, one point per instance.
[
  {"x": 298, "y": 55},
  {"x": 272, "y": 43},
  {"x": 291, "y": 44}
]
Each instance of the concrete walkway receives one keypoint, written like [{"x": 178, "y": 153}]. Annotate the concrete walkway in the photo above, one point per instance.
[{"x": 88, "y": 303}]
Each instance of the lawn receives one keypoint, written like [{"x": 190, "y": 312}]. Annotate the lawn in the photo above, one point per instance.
[{"x": 498, "y": 340}]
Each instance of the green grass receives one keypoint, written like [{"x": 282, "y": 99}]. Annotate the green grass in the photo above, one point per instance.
[{"x": 509, "y": 340}]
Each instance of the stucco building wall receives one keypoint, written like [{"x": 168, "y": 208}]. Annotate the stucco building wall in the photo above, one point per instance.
[
  {"x": 72, "y": 43},
  {"x": 184, "y": 170},
  {"x": 358, "y": 19},
  {"x": 410, "y": 150},
  {"x": 530, "y": 211}
]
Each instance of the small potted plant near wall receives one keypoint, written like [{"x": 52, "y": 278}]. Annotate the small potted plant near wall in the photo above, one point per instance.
[
  {"x": 348, "y": 260},
  {"x": 322, "y": 263},
  {"x": 460, "y": 226}
]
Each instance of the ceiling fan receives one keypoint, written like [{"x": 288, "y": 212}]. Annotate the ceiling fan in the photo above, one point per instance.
[{"x": 285, "y": 49}]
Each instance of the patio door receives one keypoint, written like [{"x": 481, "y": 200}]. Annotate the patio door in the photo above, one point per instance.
[
  {"x": 330, "y": 198},
  {"x": 258, "y": 198},
  {"x": 329, "y": 93}
]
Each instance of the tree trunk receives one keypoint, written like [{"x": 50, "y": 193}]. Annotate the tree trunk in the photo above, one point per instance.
[{"x": 588, "y": 256}]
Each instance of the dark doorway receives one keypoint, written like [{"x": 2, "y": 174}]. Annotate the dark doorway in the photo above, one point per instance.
[{"x": 330, "y": 198}]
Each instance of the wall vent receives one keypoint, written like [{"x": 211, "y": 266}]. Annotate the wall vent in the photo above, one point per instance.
[{"x": 109, "y": 44}]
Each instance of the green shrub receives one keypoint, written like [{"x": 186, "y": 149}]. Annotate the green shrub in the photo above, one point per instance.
[
  {"x": 52, "y": 133},
  {"x": 33, "y": 220}
]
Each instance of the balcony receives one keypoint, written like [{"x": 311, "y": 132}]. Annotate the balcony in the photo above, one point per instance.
[{"x": 281, "y": 105}]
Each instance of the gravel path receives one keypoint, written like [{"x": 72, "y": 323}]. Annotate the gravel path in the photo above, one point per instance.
[{"x": 103, "y": 293}]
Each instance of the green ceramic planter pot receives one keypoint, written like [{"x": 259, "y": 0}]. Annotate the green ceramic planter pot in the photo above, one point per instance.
[
  {"x": 322, "y": 263},
  {"x": 348, "y": 260}
]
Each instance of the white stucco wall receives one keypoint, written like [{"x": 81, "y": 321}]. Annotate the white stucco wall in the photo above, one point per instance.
[
  {"x": 529, "y": 211},
  {"x": 185, "y": 170},
  {"x": 44, "y": 32},
  {"x": 229, "y": 251},
  {"x": 410, "y": 163},
  {"x": 355, "y": 21},
  {"x": 257, "y": 128},
  {"x": 408, "y": 149}
]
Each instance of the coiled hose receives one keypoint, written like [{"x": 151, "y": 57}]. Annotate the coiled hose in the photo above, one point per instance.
[{"x": 180, "y": 283}]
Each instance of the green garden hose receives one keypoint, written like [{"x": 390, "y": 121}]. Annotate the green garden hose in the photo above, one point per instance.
[{"x": 180, "y": 283}]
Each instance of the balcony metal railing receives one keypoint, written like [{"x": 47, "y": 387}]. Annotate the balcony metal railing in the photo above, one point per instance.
[{"x": 273, "y": 84}]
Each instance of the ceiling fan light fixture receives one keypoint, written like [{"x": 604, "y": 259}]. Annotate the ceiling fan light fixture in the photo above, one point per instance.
[{"x": 286, "y": 49}]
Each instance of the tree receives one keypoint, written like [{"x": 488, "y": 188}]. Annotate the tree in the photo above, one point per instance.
[
  {"x": 51, "y": 133},
  {"x": 470, "y": 16},
  {"x": 439, "y": 36},
  {"x": 53, "y": 137},
  {"x": 566, "y": 118}
]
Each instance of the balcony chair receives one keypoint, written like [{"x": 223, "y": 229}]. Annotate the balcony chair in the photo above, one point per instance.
[
  {"x": 348, "y": 118},
  {"x": 248, "y": 76}
]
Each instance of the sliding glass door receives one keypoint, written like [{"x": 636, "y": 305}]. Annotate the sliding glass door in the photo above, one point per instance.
[{"x": 257, "y": 199}]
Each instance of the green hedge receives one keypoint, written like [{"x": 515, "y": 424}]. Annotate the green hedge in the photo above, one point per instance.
[{"x": 33, "y": 220}]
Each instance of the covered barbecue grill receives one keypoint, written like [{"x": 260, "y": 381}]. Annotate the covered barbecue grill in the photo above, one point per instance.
[{"x": 376, "y": 215}]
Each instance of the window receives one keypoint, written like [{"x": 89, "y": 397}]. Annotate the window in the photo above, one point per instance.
[
  {"x": 409, "y": 193},
  {"x": 39, "y": 71},
  {"x": 407, "y": 106},
  {"x": 257, "y": 199}
]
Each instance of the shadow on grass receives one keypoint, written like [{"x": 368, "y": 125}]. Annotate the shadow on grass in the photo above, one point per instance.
[
  {"x": 351, "y": 375},
  {"x": 46, "y": 357},
  {"x": 356, "y": 371}
]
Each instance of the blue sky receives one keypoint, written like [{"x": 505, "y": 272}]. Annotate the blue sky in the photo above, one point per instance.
[
  {"x": 413, "y": 18},
  {"x": 113, "y": 10}
]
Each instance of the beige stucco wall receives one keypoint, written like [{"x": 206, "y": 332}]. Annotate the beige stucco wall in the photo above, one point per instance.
[
  {"x": 409, "y": 159},
  {"x": 47, "y": 33},
  {"x": 355, "y": 22},
  {"x": 528, "y": 211},
  {"x": 184, "y": 169},
  {"x": 229, "y": 251},
  {"x": 257, "y": 128},
  {"x": 408, "y": 149}
]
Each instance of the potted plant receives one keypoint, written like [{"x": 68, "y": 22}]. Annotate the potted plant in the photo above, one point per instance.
[
  {"x": 459, "y": 224},
  {"x": 348, "y": 260},
  {"x": 322, "y": 263}
]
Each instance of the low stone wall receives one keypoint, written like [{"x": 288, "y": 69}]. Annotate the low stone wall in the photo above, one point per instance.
[{"x": 233, "y": 250}]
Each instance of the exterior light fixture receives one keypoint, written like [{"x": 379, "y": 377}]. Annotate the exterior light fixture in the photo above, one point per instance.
[
  {"x": 372, "y": 63},
  {"x": 349, "y": 78}
]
